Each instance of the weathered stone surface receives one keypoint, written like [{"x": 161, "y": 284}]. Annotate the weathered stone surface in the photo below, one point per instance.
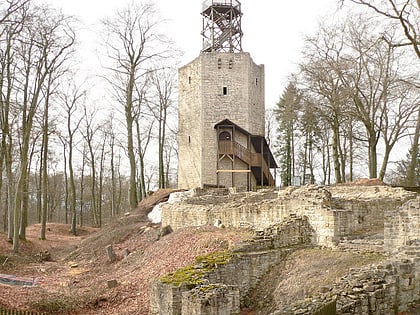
[
  {"x": 368, "y": 219},
  {"x": 211, "y": 299},
  {"x": 249, "y": 262},
  {"x": 203, "y": 104},
  {"x": 112, "y": 284},
  {"x": 334, "y": 213}
]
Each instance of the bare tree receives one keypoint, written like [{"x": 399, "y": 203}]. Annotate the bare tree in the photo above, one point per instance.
[
  {"x": 132, "y": 43},
  {"x": 164, "y": 84},
  {"x": 71, "y": 96},
  {"x": 144, "y": 137},
  {"x": 90, "y": 129},
  {"x": 39, "y": 49},
  {"x": 12, "y": 20},
  {"x": 406, "y": 15},
  {"x": 381, "y": 98},
  {"x": 323, "y": 55}
]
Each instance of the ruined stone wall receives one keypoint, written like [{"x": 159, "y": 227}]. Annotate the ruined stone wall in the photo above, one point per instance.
[
  {"x": 360, "y": 210},
  {"x": 402, "y": 226},
  {"x": 333, "y": 212},
  {"x": 387, "y": 289},
  {"x": 229, "y": 283},
  {"x": 257, "y": 210},
  {"x": 329, "y": 215},
  {"x": 213, "y": 299}
]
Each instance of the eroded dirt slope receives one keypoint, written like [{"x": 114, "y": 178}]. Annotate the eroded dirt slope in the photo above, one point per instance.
[{"x": 75, "y": 281}]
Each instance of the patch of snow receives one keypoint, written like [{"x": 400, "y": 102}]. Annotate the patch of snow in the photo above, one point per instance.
[{"x": 156, "y": 214}]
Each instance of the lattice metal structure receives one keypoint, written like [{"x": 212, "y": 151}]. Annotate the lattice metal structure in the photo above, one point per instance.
[{"x": 222, "y": 30}]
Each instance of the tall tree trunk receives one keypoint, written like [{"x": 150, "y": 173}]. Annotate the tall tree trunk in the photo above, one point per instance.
[
  {"x": 82, "y": 191},
  {"x": 335, "y": 153},
  {"x": 73, "y": 222},
  {"x": 142, "y": 184},
  {"x": 373, "y": 158},
  {"x": 44, "y": 163},
  {"x": 133, "y": 198},
  {"x": 66, "y": 185},
  {"x": 414, "y": 152},
  {"x": 113, "y": 183},
  {"x": 351, "y": 154}
]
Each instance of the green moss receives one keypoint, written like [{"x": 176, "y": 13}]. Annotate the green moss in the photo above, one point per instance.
[
  {"x": 193, "y": 275},
  {"x": 208, "y": 287},
  {"x": 213, "y": 260},
  {"x": 190, "y": 276}
]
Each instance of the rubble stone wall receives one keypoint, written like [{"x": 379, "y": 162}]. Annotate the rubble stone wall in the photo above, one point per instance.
[
  {"x": 402, "y": 226},
  {"x": 387, "y": 289},
  {"x": 217, "y": 299},
  {"x": 307, "y": 215},
  {"x": 333, "y": 212},
  {"x": 228, "y": 284}
]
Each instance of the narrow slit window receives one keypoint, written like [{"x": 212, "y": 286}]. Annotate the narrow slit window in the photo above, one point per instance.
[
  {"x": 256, "y": 81},
  {"x": 189, "y": 80},
  {"x": 225, "y": 90}
]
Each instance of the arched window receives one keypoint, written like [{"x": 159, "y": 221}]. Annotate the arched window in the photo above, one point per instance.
[{"x": 225, "y": 136}]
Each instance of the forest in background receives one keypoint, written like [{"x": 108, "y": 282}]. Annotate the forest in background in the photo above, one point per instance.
[{"x": 71, "y": 158}]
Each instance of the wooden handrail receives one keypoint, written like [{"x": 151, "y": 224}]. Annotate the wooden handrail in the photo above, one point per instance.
[
  {"x": 254, "y": 159},
  {"x": 234, "y": 148}
]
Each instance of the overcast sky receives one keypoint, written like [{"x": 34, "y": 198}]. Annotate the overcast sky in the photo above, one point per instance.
[{"x": 273, "y": 29}]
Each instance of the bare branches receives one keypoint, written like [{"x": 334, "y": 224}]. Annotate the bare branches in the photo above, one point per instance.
[{"x": 405, "y": 13}]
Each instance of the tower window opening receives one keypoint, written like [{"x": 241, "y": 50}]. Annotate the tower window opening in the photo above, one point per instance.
[
  {"x": 230, "y": 64},
  {"x": 189, "y": 139},
  {"x": 256, "y": 81},
  {"x": 219, "y": 63},
  {"x": 189, "y": 80},
  {"x": 225, "y": 90}
]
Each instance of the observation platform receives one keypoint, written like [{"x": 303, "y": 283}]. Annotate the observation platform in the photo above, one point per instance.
[{"x": 221, "y": 6}]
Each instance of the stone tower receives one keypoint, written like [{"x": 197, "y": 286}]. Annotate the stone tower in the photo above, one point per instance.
[{"x": 221, "y": 108}]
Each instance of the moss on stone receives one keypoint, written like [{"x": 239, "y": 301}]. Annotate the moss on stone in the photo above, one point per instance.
[{"x": 193, "y": 275}]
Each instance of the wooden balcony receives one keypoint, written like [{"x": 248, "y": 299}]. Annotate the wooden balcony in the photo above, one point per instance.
[{"x": 257, "y": 164}]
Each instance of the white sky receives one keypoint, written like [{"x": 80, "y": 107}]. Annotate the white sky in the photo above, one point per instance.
[{"x": 273, "y": 30}]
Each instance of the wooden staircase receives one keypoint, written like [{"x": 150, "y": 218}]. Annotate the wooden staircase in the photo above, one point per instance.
[{"x": 256, "y": 162}]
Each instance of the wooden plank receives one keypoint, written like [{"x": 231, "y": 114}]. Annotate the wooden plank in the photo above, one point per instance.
[{"x": 233, "y": 171}]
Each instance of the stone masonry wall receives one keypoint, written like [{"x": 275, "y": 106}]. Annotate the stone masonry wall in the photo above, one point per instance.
[
  {"x": 333, "y": 212},
  {"x": 229, "y": 283},
  {"x": 190, "y": 136},
  {"x": 214, "y": 299},
  {"x": 328, "y": 215},
  {"x": 214, "y": 87},
  {"x": 386, "y": 289},
  {"x": 402, "y": 226}
]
